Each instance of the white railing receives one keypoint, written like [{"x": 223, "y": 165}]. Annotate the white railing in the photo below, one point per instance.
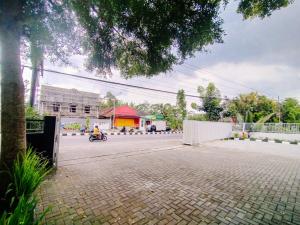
[{"x": 285, "y": 128}]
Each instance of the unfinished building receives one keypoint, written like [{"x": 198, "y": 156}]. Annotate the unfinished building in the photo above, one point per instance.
[{"x": 68, "y": 103}]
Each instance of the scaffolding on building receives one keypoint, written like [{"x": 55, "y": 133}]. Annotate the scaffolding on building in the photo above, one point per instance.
[{"x": 68, "y": 102}]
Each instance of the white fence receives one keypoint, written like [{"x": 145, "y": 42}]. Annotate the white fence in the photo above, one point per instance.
[
  {"x": 273, "y": 136},
  {"x": 283, "y": 128},
  {"x": 196, "y": 132},
  {"x": 281, "y": 131}
]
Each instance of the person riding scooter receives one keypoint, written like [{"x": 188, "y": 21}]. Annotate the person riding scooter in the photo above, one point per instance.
[{"x": 97, "y": 132}]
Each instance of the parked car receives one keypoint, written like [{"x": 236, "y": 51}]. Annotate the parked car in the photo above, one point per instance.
[{"x": 151, "y": 128}]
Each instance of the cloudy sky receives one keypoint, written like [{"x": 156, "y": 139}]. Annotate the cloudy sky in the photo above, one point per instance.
[{"x": 260, "y": 55}]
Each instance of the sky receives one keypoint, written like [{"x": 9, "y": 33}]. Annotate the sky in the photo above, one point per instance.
[{"x": 257, "y": 55}]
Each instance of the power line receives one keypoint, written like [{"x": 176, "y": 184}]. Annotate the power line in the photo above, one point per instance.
[
  {"x": 117, "y": 83},
  {"x": 204, "y": 79},
  {"x": 227, "y": 80}
]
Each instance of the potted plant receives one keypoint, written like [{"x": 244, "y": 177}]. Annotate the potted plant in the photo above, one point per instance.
[
  {"x": 236, "y": 136},
  {"x": 252, "y": 139}
]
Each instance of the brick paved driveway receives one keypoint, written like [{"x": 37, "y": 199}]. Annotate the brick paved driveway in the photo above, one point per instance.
[{"x": 217, "y": 183}]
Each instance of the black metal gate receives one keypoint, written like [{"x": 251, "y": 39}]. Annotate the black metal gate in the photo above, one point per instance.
[{"x": 43, "y": 137}]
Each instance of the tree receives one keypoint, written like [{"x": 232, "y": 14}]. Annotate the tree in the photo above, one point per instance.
[
  {"x": 157, "y": 109},
  {"x": 260, "y": 8},
  {"x": 143, "y": 108},
  {"x": 181, "y": 104},
  {"x": 23, "y": 24},
  {"x": 110, "y": 100},
  {"x": 172, "y": 116},
  {"x": 290, "y": 111},
  {"x": 53, "y": 35},
  {"x": 265, "y": 107},
  {"x": 245, "y": 105},
  {"x": 211, "y": 102},
  {"x": 32, "y": 113},
  {"x": 118, "y": 33},
  {"x": 252, "y": 107}
]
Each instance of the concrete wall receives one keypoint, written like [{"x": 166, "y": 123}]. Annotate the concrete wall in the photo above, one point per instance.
[
  {"x": 197, "y": 132},
  {"x": 280, "y": 136}
]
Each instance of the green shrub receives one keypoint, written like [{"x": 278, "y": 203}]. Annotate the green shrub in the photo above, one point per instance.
[
  {"x": 72, "y": 126},
  {"x": 278, "y": 141},
  {"x": 28, "y": 172},
  {"x": 235, "y": 135},
  {"x": 252, "y": 139},
  {"x": 265, "y": 139},
  {"x": 242, "y": 138},
  {"x": 294, "y": 142},
  {"x": 32, "y": 113},
  {"x": 198, "y": 117},
  {"x": 23, "y": 213}
]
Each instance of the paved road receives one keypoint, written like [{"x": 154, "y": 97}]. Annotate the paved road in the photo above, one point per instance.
[
  {"x": 78, "y": 149},
  {"x": 155, "y": 180}
]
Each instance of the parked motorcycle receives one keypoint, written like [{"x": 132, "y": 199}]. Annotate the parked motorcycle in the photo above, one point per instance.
[{"x": 93, "y": 137}]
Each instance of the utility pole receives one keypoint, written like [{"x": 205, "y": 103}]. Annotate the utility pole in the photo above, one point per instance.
[
  {"x": 114, "y": 113},
  {"x": 279, "y": 110}
]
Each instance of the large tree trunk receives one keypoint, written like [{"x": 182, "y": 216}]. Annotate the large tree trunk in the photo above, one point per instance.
[
  {"x": 34, "y": 77},
  {"x": 36, "y": 54},
  {"x": 12, "y": 91}
]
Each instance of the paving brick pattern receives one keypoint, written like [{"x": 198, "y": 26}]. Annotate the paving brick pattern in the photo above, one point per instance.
[{"x": 183, "y": 186}]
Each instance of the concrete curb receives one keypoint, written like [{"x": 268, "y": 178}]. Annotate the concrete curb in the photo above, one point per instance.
[
  {"x": 119, "y": 133},
  {"x": 270, "y": 141}
]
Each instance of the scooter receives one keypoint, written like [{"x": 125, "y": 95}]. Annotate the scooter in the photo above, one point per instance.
[{"x": 93, "y": 137}]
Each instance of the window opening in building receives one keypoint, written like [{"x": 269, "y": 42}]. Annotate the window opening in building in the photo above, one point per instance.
[
  {"x": 87, "y": 109},
  {"x": 73, "y": 108},
  {"x": 56, "y": 107}
]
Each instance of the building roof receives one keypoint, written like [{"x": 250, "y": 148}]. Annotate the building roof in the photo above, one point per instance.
[{"x": 120, "y": 111}]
